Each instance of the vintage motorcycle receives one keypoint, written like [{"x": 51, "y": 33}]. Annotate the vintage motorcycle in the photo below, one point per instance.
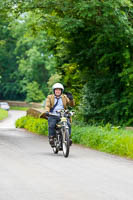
[{"x": 62, "y": 138}]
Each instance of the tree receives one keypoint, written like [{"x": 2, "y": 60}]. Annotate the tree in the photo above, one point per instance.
[
  {"x": 8, "y": 67},
  {"x": 34, "y": 94},
  {"x": 24, "y": 59},
  {"x": 92, "y": 43}
]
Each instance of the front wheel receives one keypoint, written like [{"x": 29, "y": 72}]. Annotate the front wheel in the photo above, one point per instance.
[{"x": 65, "y": 142}]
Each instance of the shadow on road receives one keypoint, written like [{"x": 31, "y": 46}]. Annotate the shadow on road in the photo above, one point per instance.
[{"x": 53, "y": 155}]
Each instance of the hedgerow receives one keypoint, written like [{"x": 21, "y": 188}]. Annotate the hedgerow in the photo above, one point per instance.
[
  {"x": 114, "y": 140},
  {"x": 108, "y": 139},
  {"x": 32, "y": 124}
]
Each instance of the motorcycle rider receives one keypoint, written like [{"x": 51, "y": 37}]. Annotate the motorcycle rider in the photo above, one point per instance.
[{"x": 54, "y": 102}]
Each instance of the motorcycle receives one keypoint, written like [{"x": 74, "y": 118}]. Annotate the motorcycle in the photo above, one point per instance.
[{"x": 62, "y": 137}]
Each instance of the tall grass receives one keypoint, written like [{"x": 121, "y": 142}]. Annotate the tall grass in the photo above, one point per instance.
[{"x": 114, "y": 140}]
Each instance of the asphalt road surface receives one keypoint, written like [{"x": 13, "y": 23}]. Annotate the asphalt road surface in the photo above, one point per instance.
[
  {"x": 30, "y": 171},
  {"x": 13, "y": 115}
]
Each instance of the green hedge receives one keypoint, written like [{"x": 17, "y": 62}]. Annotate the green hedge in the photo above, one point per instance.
[
  {"x": 111, "y": 140},
  {"x": 107, "y": 139},
  {"x": 3, "y": 114},
  {"x": 32, "y": 124}
]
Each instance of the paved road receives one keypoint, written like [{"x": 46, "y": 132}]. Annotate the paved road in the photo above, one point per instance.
[
  {"x": 13, "y": 115},
  {"x": 30, "y": 171}
]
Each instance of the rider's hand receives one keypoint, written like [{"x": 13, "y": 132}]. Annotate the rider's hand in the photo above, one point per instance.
[
  {"x": 47, "y": 113},
  {"x": 69, "y": 95}
]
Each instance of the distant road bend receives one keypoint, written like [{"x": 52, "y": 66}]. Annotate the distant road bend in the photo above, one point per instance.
[{"x": 30, "y": 171}]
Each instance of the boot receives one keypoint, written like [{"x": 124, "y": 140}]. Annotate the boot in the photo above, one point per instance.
[{"x": 51, "y": 141}]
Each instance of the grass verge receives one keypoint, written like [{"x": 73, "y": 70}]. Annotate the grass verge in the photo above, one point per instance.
[
  {"x": 3, "y": 114},
  {"x": 106, "y": 139},
  {"x": 19, "y": 108},
  {"x": 32, "y": 124},
  {"x": 114, "y": 140}
]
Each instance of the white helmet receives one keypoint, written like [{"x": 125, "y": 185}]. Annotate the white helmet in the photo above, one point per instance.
[{"x": 58, "y": 86}]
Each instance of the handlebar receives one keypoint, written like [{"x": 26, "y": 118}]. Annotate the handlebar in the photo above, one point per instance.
[
  {"x": 52, "y": 114},
  {"x": 71, "y": 113}
]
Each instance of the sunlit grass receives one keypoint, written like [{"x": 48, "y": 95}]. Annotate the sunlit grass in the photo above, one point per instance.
[
  {"x": 19, "y": 108},
  {"x": 111, "y": 140},
  {"x": 3, "y": 114}
]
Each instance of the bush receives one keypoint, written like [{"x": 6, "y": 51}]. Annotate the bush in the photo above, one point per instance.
[
  {"x": 32, "y": 124},
  {"x": 107, "y": 139}
]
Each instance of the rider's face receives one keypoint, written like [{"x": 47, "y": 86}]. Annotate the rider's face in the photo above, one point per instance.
[{"x": 57, "y": 92}]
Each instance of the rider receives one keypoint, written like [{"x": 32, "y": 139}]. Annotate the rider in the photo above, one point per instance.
[{"x": 54, "y": 102}]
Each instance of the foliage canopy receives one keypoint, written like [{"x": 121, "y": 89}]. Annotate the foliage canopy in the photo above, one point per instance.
[{"x": 88, "y": 42}]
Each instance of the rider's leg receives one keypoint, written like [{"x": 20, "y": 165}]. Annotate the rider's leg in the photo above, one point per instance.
[
  {"x": 51, "y": 126},
  {"x": 51, "y": 129}
]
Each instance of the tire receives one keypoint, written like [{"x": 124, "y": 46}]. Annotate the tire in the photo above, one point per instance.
[{"x": 65, "y": 142}]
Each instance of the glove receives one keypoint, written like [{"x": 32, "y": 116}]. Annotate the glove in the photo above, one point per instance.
[
  {"x": 47, "y": 113},
  {"x": 69, "y": 95}
]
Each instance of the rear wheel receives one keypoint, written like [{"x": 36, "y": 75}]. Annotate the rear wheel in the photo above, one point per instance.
[{"x": 65, "y": 142}]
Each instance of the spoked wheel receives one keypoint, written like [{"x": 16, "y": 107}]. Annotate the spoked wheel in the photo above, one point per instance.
[{"x": 65, "y": 142}]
